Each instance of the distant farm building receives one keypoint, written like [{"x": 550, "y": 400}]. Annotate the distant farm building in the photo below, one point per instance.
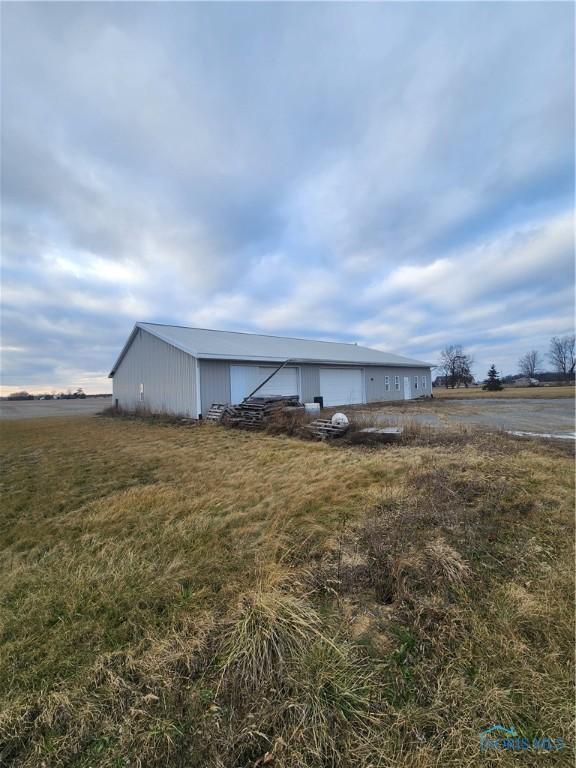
[
  {"x": 524, "y": 381},
  {"x": 445, "y": 381},
  {"x": 180, "y": 370}
]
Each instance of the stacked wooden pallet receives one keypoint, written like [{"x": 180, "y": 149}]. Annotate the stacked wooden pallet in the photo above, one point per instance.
[
  {"x": 216, "y": 412},
  {"x": 325, "y": 430},
  {"x": 255, "y": 411}
]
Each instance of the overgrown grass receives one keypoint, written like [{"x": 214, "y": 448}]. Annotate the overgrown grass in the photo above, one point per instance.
[
  {"x": 211, "y": 597},
  {"x": 561, "y": 390}
]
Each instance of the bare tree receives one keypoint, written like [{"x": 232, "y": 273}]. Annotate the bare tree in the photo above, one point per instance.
[
  {"x": 530, "y": 363},
  {"x": 561, "y": 355},
  {"x": 456, "y": 366}
]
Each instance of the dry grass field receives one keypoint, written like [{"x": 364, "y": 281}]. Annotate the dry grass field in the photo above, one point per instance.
[
  {"x": 507, "y": 392},
  {"x": 197, "y": 596}
]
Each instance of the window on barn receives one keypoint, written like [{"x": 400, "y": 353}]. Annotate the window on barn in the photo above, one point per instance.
[
  {"x": 141, "y": 392},
  {"x": 415, "y": 382},
  {"x": 397, "y": 383},
  {"x": 387, "y": 383}
]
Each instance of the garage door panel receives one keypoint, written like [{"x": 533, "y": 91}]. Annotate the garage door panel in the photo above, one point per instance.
[
  {"x": 341, "y": 386},
  {"x": 245, "y": 378},
  {"x": 285, "y": 382},
  {"x": 242, "y": 382}
]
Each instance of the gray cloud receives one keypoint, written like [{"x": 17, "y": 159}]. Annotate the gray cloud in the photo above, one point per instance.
[{"x": 396, "y": 174}]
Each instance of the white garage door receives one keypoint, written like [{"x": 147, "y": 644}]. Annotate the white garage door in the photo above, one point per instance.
[
  {"x": 341, "y": 386},
  {"x": 245, "y": 378}
]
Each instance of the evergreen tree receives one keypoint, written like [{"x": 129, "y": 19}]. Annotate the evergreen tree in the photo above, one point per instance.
[{"x": 493, "y": 383}]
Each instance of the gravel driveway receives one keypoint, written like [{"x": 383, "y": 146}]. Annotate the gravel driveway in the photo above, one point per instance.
[{"x": 544, "y": 417}]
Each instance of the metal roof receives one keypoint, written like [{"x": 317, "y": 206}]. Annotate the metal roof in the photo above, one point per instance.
[{"x": 232, "y": 345}]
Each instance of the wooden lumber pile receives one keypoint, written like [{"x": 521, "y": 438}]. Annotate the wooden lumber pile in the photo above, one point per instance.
[
  {"x": 254, "y": 412},
  {"x": 325, "y": 430},
  {"x": 216, "y": 412}
]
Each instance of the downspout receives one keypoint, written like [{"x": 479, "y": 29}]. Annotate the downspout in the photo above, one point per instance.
[
  {"x": 198, "y": 392},
  {"x": 285, "y": 363}
]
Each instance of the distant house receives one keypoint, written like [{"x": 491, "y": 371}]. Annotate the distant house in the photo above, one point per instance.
[
  {"x": 553, "y": 377},
  {"x": 180, "y": 370},
  {"x": 544, "y": 377},
  {"x": 523, "y": 381},
  {"x": 440, "y": 381}
]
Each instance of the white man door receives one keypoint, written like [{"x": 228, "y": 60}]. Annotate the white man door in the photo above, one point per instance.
[{"x": 407, "y": 388}]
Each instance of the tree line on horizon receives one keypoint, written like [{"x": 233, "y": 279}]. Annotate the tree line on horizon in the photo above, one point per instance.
[
  {"x": 456, "y": 364},
  {"x": 69, "y": 395}
]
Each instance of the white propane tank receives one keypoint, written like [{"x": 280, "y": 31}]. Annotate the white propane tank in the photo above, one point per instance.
[{"x": 340, "y": 420}]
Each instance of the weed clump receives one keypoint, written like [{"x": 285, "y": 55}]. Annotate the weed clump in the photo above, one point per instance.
[
  {"x": 309, "y": 693},
  {"x": 289, "y": 421},
  {"x": 268, "y": 631},
  {"x": 145, "y": 414}
]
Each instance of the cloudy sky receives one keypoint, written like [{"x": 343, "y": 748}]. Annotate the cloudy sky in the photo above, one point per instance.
[{"x": 399, "y": 175}]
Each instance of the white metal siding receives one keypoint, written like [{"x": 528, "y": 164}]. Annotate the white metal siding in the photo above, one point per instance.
[
  {"x": 310, "y": 381},
  {"x": 376, "y": 391},
  {"x": 214, "y": 382},
  {"x": 341, "y": 386},
  {"x": 167, "y": 376}
]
